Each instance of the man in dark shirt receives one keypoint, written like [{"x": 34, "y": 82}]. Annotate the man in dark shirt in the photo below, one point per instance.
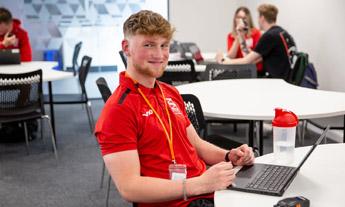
[{"x": 274, "y": 47}]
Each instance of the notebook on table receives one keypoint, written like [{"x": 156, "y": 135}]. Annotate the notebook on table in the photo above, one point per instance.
[
  {"x": 269, "y": 179},
  {"x": 10, "y": 56}
]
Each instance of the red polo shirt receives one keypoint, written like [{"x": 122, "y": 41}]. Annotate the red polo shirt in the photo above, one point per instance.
[{"x": 128, "y": 123}]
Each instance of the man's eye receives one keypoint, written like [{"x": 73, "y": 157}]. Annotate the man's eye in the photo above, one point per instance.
[
  {"x": 165, "y": 45},
  {"x": 148, "y": 45}
]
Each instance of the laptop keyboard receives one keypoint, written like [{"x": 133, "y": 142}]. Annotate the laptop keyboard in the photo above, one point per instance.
[{"x": 271, "y": 178}]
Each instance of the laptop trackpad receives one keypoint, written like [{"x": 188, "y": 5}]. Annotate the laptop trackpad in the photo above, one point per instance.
[{"x": 245, "y": 174}]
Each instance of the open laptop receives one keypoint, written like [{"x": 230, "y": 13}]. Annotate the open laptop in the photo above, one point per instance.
[
  {"x": 196, "y": 53},
  {"x": 10, "y": 56},
  {"x": 257, "y": 178}
]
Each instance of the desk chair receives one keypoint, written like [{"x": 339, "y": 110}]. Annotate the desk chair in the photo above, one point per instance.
[
  {"x": 75, "y": 65},
  {"x": 179, "y": 72},
  {"x": 106, "y": 93},
  {"x": 196, "y": 117},
  {"x": 123, "y": 58},
  {"x": 21, "y": 101},
  {"x": 79, "y": 98}
]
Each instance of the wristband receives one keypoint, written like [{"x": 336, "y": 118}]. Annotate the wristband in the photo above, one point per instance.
[
  {"x": 184, "y": 190},
  {"x": 222, "y": 59},
  {"x": 227, "y": 156}
]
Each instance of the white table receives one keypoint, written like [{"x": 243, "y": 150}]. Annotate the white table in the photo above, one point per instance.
[
  {"x": 256, "y": 99},
  {"x": 321, "y": 180},
  {"x": 48, "y": 75}
]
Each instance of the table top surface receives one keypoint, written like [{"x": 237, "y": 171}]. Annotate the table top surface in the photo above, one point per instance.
[
  {"x": 49, "y": 74},
  {"x": 320, "y": 179},
  {"x": 256, "y": 99}
]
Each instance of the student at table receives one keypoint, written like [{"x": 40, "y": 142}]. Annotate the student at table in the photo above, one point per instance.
[
  {"x": 271, "y": 49},
  {"x": 13, "y": 36},
  {"x": 149, "y": 146},
  {"x": 244, "y": 36}
]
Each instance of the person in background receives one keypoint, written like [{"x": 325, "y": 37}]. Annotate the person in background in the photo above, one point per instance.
[
  {"x": 273, "y": 48},
  {"x": 149, "y": 146},
  {"x": 244, "y": 36},
  {"x": 13, "y": 36}
]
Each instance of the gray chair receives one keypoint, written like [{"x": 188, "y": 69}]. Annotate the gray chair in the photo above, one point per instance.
[
  {"x": 179, "y": 72},
  {"x": 78, "y": 98},
  {"x": 123, "y": 58},
  {"x": 21, "y": 100},
  {"x": 75, "y": 65},
  {"x": 222, "y": 72}
]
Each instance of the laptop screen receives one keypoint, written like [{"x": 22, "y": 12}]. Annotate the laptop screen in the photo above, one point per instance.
[{"x": 11, "y": 56}]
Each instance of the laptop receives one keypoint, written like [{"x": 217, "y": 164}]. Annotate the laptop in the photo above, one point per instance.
[
  {"x": 196, "y": 53},
  {"x": 10, "y": 56},
  {"x": 257, "y": 178}
]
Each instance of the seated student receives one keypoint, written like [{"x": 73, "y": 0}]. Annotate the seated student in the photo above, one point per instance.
[
  {"x": 244, "y": 36},
  {"x": 13, "y": 36},
  {"x": 149, "y": 146},
  {"x": 271, "y": 48}
]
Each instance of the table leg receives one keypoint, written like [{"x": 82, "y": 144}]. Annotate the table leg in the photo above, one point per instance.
[
  {"x": 261, "y": 138},
  {"x": 51, "y": 105},
  {"x": 251, "y": 134},
  {"x": 344, "y": 131}
]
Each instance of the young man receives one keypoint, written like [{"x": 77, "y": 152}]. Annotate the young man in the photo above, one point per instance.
[
  {"x": 13, "y": 36},
  {"x": 271, "y": 48},
  {"x": 149, "y": 146}
]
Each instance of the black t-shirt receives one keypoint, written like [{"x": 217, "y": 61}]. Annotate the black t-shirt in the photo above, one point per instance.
[{"x": 274, "y": 53}]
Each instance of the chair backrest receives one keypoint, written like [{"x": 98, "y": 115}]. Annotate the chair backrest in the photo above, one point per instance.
[
  {"x": 83, "y": 71},
  {"x": 75, "y": 65},
  {"x": 21, "y": 93},
  {"x": 222, "y": 71},
  {"x": 103, "y": 88},
  {"x": 179, "y": 72},
  {"x": 195, "y": 114},
  {"x": 123, "y": 58}
]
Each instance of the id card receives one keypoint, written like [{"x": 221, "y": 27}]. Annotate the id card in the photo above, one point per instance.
[{"x": 177, "y": 172}]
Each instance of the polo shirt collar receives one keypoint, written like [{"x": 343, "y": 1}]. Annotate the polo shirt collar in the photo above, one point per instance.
[{"x": 128, "y": 83}]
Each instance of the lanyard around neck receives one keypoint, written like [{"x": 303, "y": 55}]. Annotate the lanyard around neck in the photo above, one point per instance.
[{"x": 169, "y": 137}]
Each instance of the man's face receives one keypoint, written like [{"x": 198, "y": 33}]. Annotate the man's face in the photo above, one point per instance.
[
  {"x": 148, "y": 55},
  {"x": 4, "y": 28}
]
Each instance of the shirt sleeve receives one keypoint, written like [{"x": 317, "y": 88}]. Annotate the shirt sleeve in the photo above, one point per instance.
[
  {"x": 116, "y": 129},
  {"x": 25, "y": 47}
]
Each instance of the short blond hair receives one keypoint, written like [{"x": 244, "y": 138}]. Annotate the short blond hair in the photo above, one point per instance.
[
  {"x": 269, "y": 11},
  {"x": 148, "y": 23}
]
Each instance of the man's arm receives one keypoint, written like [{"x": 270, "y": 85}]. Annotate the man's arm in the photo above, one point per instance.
[
  {"x": 252, "y": 57},
  {"x": 212, "y": 154},
  {"x": 124, "y": 168}
]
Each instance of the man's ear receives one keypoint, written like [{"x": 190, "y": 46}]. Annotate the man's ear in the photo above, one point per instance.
[{"x": 125, "y": 47}]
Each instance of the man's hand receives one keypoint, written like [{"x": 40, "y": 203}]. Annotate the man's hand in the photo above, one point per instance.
[
  {"x": 242, "y": 155},
  {"x": 218, "y": 177},
  {"x": 219, "y": 56},
  {"x": 9, "y": 40}
]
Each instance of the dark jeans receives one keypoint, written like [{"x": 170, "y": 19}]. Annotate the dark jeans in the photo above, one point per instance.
[{"x": 202, "y": 202}]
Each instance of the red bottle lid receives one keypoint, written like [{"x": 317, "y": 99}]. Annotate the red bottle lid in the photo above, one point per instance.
[{"x": 284, "y": 118}]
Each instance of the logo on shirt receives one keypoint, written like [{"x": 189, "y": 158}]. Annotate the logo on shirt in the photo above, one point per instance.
[
  {"x": 173, "y": 106},
  {"x": 148, "y": 113}
]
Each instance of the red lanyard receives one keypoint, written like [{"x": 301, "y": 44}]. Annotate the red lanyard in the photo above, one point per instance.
[{"x": 169, "y": 137}]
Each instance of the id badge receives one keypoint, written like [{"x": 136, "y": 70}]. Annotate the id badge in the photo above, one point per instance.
[{"x": 177, "y": 172}]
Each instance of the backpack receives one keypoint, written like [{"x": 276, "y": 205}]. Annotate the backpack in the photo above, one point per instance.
[{"x": 310, "y": 78}]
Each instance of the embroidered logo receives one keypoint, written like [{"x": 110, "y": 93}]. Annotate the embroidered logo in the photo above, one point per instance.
[
  {"x": 173, "y": 106},
  {"x": 148, "y": 113}
]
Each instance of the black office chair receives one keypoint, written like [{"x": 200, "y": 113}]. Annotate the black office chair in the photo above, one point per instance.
[
  {"x": 123, "y": 58},
  {"x": 179, "y": 72},
  {"x": 79, "y": 98},
  {"x": 21, "y": 101},
  {"x": 196, "y": 117},
  {"x": 75, "y": 65}
]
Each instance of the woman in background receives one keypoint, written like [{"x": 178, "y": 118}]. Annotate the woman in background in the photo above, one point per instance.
[{"x": 244, "y": 36}]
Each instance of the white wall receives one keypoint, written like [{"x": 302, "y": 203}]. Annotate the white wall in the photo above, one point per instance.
[{"x": 316, "y": 25}]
